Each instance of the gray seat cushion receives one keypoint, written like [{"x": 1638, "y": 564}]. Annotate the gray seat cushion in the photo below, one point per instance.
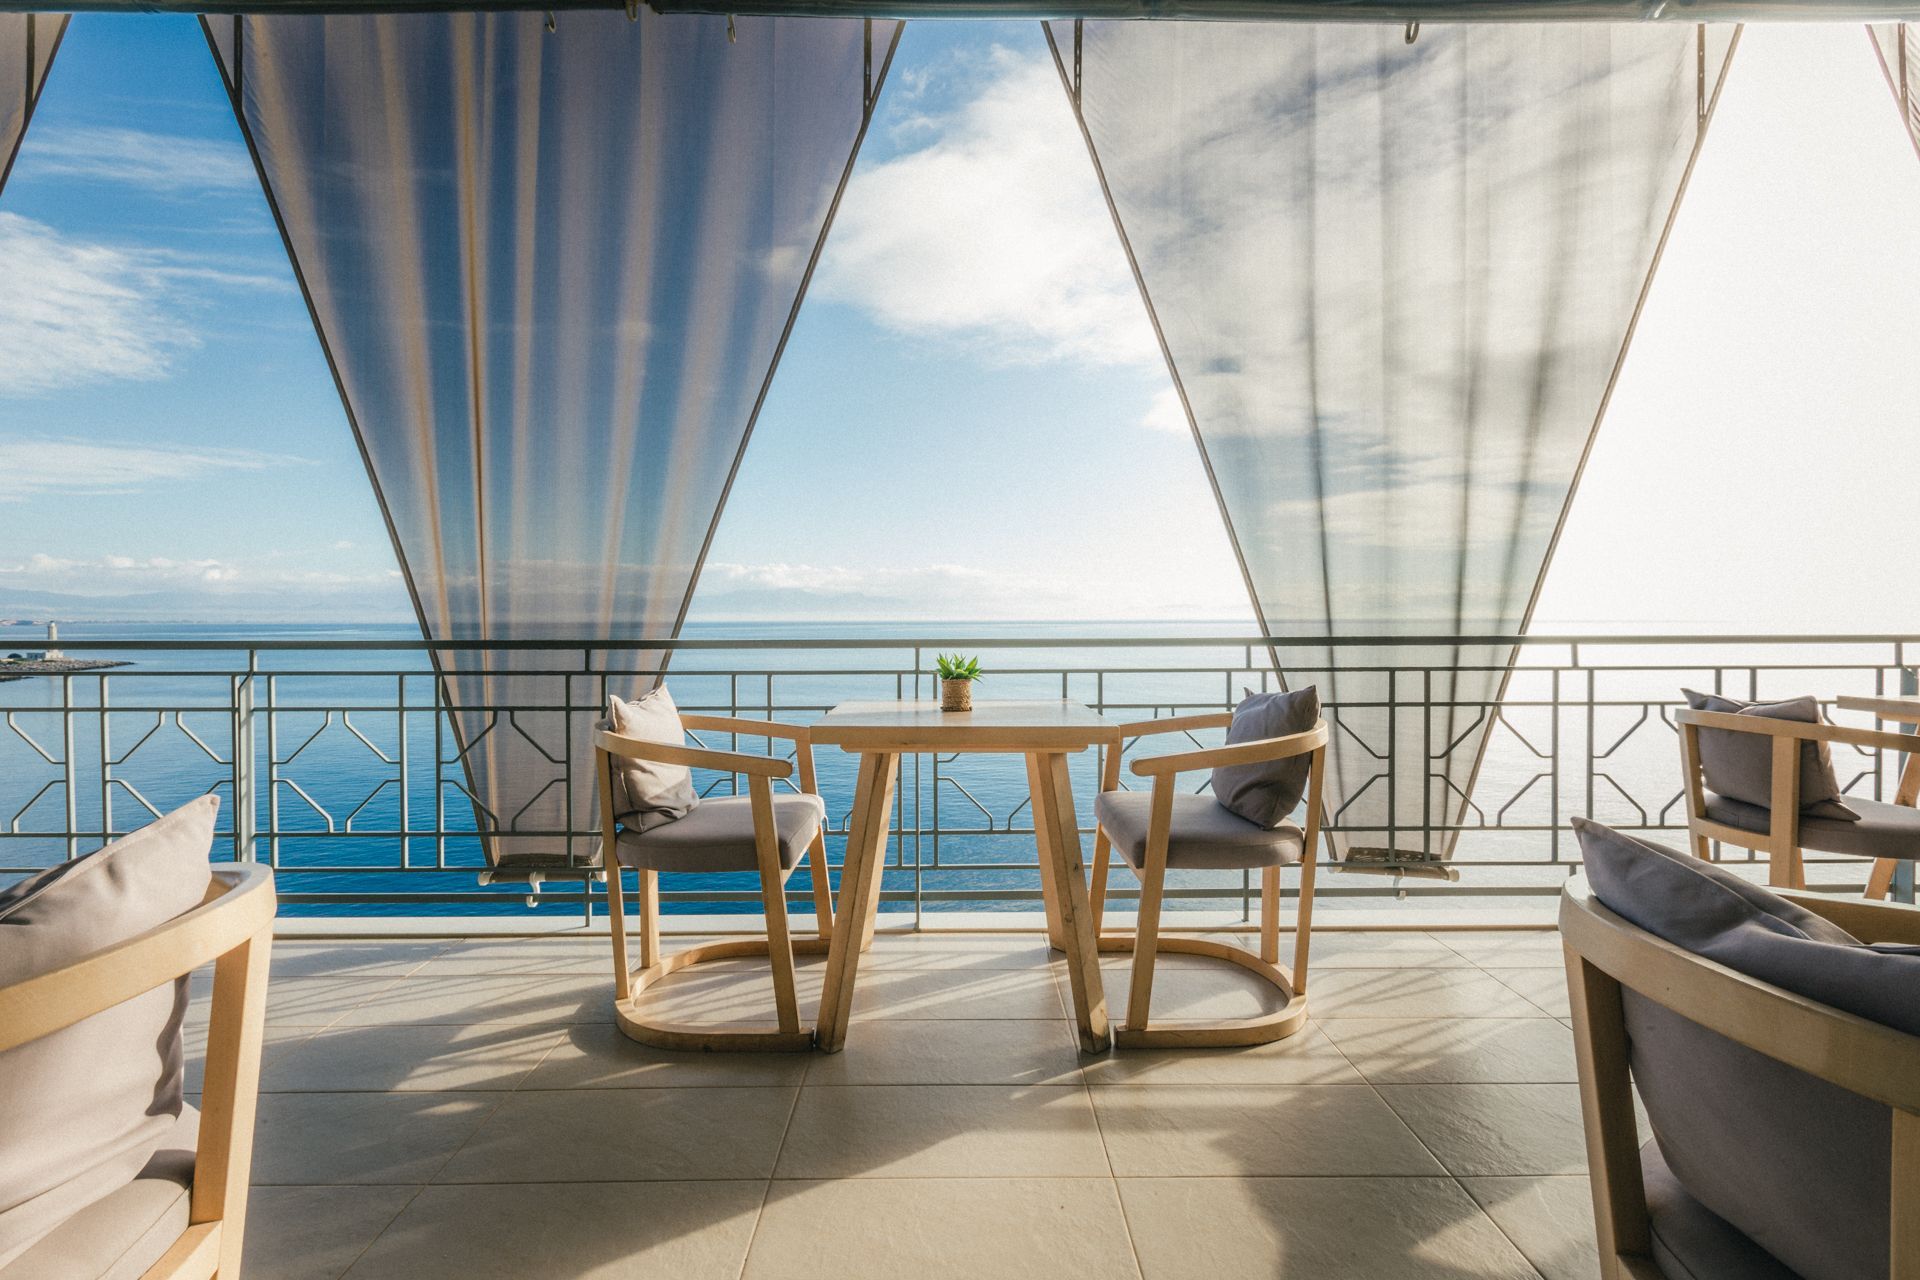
[
  {"x": 1203, "y": 836},
  {"x": 1690, "y": 1241},
  {"x": 122, "y": 1234},
  {"x": 84, "y": 1109},
  {"x": 1799, "y": 1165},
  {"x": 1740, "y": 765},
  {"x": 1265, "y": 792},
  {"x": 718, "y": 836},
  {"x": 1881, "y": 831}
]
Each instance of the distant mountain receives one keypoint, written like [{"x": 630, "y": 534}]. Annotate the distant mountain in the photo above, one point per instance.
[{"x": 187, "y": 606}]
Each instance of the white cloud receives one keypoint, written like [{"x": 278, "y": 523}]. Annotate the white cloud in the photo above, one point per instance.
[
  {"x": 40, "y": 466},
  {"x": 995, "y": 232},
  {"x": 76, "y": 311},
  {"x": 117, "y": 574},
  {"x": 1166, "y": 413},
  {"x": 159, "y": 162}
]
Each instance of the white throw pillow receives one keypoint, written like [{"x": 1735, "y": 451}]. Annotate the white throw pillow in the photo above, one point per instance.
[{"x": 646, "y": 793}]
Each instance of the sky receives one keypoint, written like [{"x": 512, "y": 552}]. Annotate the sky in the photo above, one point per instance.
[{"x": 973, "y": 359}]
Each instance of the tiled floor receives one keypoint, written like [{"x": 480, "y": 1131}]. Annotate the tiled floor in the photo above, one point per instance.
[{"x": 468, "y": 1109}]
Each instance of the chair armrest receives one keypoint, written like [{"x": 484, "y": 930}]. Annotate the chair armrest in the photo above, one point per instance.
[
  {"x": 240, "y": 904},
  {"x": 1293, "y": 744},
  {"x": 1766, "y": 725},
  {"x": 1905, "y": 710},
  {"x": 693, "y": 757},
  {"x": 1866, "y": 920},
  {"x": 746, "y": 728},
  {"x": 1174, "y": 724}
]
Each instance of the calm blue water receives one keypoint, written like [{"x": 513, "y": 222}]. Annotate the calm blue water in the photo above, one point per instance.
[{"x": 338, "y": 808}]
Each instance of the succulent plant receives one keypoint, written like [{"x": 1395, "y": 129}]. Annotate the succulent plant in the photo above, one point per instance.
[{"x": 954, "y": 667}]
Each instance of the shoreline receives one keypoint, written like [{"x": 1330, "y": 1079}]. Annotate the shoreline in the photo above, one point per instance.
[{"x": 55, "y": 667}]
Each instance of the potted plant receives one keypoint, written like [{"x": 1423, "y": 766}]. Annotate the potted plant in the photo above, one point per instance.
[{"x": 957, "y": 675}]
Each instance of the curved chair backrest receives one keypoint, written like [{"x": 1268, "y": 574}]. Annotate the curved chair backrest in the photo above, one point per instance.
[
  {"x": 231, "y": 929},
  {"x": 1800, "y": 1120}
]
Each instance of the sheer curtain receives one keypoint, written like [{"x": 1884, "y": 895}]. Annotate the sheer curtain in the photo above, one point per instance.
[
  {"x": 553, "y": 272},
  {"x": 27, "y": 45},
  {"x": 1898, "y": 44},
  {"x": 1393, "y": 271}
]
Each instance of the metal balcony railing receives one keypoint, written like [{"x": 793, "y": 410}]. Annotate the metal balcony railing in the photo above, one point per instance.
[{"x": 338, "y": 766}]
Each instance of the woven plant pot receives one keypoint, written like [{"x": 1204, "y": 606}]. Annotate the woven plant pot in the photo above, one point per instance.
[{"x": 956, "y": 695}]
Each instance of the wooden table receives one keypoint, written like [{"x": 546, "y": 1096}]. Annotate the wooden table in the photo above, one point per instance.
[{"x": 1045, "y": 733}]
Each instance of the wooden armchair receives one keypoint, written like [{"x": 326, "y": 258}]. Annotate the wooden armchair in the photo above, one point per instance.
[
  {"x": 1887, "y": 833},
  {"x": 758, "y": 832},
  {"x": 233, "y": 930},
  {"x": 1167, "y": 829},
  {"x": 1756, "y": 1091}
]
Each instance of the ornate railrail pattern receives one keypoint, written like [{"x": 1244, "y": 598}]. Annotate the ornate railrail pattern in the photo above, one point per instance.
[{"x": 339, "y": 767}]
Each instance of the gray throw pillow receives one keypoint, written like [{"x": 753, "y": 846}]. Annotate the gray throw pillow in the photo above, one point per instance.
[
  {"x": 82, "y": 1110},
  {"x": 1714, "y": 913},
  {"x": 1739, "y": 766},
  {"x": 1266, "y": 792},
  {"x": 647, "y": 794}
]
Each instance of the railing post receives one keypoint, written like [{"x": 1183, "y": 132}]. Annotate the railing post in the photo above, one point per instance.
[
  {"x": 245, "y": 776},
  {"x": 1903, "y": 870},
  {"x": 69, "y": 770}
]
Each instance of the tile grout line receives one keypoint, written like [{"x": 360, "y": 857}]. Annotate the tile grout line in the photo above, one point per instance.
[
  {"x": 766, "y": 1192},
  {"x": 368, "y": 1247},
  {"x": 1113, "y": 1181}
]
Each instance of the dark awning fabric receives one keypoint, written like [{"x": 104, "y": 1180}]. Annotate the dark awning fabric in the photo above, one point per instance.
[
  {"x": 1898, "y": 44},
  {"x": 28, "y": 42},
  {"x": 553, "y": 273},
  {"x": 1394, "y": 280}
]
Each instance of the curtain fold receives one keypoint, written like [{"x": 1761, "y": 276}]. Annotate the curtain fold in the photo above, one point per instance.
[
  {"x": 1393, "y": 272},
  {"x": 28, "y": 42},
  {"x": 553, "y": 272},
  {"x": 1898, "y": 44}
]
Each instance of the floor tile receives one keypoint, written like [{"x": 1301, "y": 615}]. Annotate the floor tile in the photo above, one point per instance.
[
  {"x": 966, "y": 994},
  {"x": 486, "y": 1055},
  {"x": 305, "y": 1139},
  {"x": 1482, "y": 1130},
  {"x": 959, "y": 951},
  {"x": 275, "y": 1041},
  {"x": 729, "y": 991},
  {"x": 314, "y": 1233},
  {"x": 1255, "y": 1131},
  {"x": 594, "y": 1055},
  {"x": 457, "y": 999},
  {"x": 1546, "y": 988},
  {"x": 943, "y": 1229},
  {"x": 351, "y": 958},
  {"x": 951, "y": 1051},
  {"x": 582, "y": 956},
  {"x": 1199, "y": 989},
  {"x": 1363, "y": 949},
  {"x": 972, "y": 1131},
  {"x": 594, "y": 1231},
  {"x": 1550, "y": 1219},
  {"x": 301, "y": 1002},
  {"x": 626, "y": 1135},
  {"x": 1456, "y": 1050},
  {"x": 1505, "y": 948},
  {"x": 1306, "y": 1057},
  {"x": 1415, "y": 993},
  {"x": 1314, "y": 1228}
]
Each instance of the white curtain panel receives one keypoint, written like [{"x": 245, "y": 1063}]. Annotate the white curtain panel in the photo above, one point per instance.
[
  {"x": 27, "y": 45},
  {"x": 1898, "y": 44},
  {"x": 1394, "y": 279},
  {"x": 553, "y": 272}
]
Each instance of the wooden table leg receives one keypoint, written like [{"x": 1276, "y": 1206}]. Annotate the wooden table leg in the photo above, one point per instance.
[
  {"x": 1042, "y": 837},
  {"x": 1053, "y": 801},
  {"x": 859, "y": 895}
]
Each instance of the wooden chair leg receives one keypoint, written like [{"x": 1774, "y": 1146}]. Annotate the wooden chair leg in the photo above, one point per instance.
[
  {"x": 1097, "y": 891},
  {"x": 773, "y": 896},
  {"x": 649, "y": 919},
  {"x": 1270, "y": 914},
  {"x": 617, "y": 925},
  {"x": 1153, "y": 883},
  {"x": 822, "y": 885},
  {"x": 1880, "y": 879},
  {"x": 1043, "y": 843},
  {"x": 1309, "y": 863}
]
